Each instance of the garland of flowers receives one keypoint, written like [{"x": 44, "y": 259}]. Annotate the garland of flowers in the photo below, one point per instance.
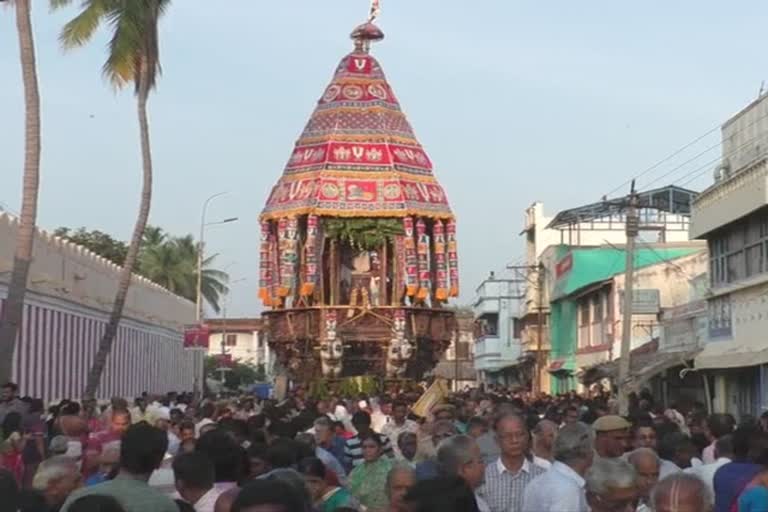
[{"x": 265, "y": 271}]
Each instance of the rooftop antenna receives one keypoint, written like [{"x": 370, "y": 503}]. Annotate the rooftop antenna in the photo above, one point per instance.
[{"x": 762, "y": 88}]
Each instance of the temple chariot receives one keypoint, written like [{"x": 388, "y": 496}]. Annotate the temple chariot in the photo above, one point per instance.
[{"x": 358, "y": 243}]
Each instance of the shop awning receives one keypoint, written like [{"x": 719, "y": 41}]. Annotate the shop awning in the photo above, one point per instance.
[
  {"x": 730, "y": 354},
  {"x": 660, "y": 362}
]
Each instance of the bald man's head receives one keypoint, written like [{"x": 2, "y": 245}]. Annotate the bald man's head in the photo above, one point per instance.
[{"x": 681, "y": 493}]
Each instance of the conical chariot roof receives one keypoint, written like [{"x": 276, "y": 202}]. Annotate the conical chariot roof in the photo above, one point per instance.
[{"x": 358, "y": 155}]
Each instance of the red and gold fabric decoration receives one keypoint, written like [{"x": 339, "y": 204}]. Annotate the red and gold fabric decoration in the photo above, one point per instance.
[
  {"x": 400, "y": 274},
  {"x": 265, "y": 270},
  {"x": 441, "y": 263},
  {"x": 310, "y": 257},
  {"x": 411, "y": 260},
  {"x": 288, "y": 233},
  {"x": 453, "y": 257},
  {"x": 274, "y": 268},
  {"x": 422, "y": 249}
]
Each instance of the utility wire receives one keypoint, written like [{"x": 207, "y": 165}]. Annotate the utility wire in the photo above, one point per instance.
[
  {"x": 680, "y": 150},
  {"x": 695, "y": 173},
  {"x": 664, "y": 160},
  {"x": 674, "y": 169}
]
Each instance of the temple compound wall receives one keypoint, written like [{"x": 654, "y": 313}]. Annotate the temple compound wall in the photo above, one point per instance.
[{"x": 69, "y": 297}]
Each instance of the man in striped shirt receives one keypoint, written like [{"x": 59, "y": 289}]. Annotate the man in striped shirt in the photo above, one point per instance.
[
  {"x": 353, "y": 449},
  {"x": 508, "y": 476}
]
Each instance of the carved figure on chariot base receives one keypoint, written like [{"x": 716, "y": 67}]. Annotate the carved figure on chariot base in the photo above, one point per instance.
[
  {"x": 400, "y": 349},
  {"x": 399, "y": 353},
  {"x": 331, "y": 349},
  {"x": 331, "y": 354}
]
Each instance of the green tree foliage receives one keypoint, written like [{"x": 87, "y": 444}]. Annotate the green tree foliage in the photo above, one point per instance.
[
  {"x": 96, "y": 241},
  {"x": 240, "y": 374},
  {"x": 169, "y": 261},
  {"x": 363, "y": 234}
]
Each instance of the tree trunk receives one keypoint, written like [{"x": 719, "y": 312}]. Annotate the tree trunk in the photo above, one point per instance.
[
  {"x": 25, "y": 236},
  {"x": 105, "y": 345}
]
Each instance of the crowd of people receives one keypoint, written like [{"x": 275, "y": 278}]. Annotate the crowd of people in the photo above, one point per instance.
[{"x": 488, "y": 451}]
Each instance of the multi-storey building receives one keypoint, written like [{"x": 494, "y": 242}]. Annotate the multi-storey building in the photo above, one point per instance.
[
  {"x": 732, "y": 216},
  {"x": 240, "y": 339},
  {"x": 549, "y": 239},
  {"x": 497, "y": 338}
]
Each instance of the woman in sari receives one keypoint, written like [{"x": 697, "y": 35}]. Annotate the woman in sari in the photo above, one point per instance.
[
  {"x": 368, "y": 481},
  {"x": 325, "y": 497}
]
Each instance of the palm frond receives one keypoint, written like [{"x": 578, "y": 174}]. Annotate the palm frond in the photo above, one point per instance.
[
  {"x": 81, "y": 28},
  {"x": 125, "y": 44},
  {"x": 58, "y": 4}
]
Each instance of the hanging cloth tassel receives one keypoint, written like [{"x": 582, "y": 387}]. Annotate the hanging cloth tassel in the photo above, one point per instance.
[
  {"x": 400, "y": 267},
  {"x": 288, "y": 232},
  {"x": 411, "y": 260},
  {"x": 441, "y": 263},
  {"x": 310, "y": 257},
  {"x": 265, "y": 272},
  {"x": 274, "y": 269},
  {"x": 422, "y": 249},
  {"x": 453, "y": 257}
]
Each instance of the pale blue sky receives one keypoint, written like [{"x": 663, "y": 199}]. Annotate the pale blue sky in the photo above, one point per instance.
[{"x": 515, "y": 101}]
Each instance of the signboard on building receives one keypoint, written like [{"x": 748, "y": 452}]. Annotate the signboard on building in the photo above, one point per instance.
[
  {"x": 644, "y": 302},
  {"x": 564, "y": 266},
  {"x": 197, "y": 336}
]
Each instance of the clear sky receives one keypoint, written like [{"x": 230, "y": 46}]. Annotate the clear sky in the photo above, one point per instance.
[{"x": 515, "y": 101}]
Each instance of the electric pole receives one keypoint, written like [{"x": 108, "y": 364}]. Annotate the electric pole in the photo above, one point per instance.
[{"x": 632, "y": 225}]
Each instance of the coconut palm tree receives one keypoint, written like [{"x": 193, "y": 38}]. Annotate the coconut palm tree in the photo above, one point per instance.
[
  {"x": 172, "y": 263},
  {"x": 11, "y": 315},
  {"x": 133, "y": 59}
]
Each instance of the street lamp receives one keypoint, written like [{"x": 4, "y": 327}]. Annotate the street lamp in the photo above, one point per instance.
[{"x": 201, "y": 250}]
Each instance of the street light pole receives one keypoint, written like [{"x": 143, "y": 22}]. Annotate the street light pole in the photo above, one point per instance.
[{"x": 201, "y": 256}]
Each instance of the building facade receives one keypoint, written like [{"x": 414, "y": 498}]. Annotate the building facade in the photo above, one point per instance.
[
  {"x": 242, "y": 340},
  {"x": 588, "y": 302},
  {"x": 497, "y": 337},
  {"x": 547, "y": 241},
  {"x": 457, "y": 365},
  {"x": 732, "y": 216},
  {"x": 68, "y": 302}
]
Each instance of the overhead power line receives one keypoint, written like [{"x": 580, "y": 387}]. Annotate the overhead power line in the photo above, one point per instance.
[
  {"x": 664, "y": 160},
  {"x": 679, "y": 151}
]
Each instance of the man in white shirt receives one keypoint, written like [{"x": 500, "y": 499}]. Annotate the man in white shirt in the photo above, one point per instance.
[
  {"x": 561, "y": 488},
  {"x": 644, "y": 436},
  {"x": 399, "y": 424},
  {"x": 508, "y": 476},
  {"x": 723, "y": 455},
  {"x": 460, "y": 456},
  {"x": 380, "y": 415}
]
